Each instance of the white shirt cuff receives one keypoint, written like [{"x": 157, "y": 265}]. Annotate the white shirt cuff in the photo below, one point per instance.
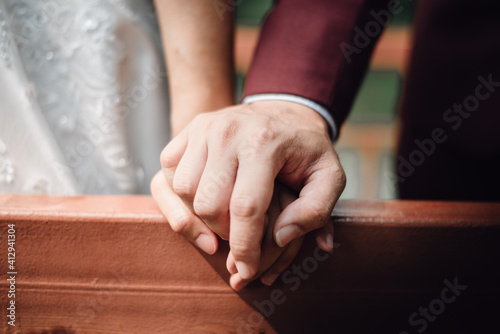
[{"x": 300, "y": 100}]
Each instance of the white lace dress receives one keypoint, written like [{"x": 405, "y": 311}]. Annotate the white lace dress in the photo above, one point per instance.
[{"x": 83, "y": 96}]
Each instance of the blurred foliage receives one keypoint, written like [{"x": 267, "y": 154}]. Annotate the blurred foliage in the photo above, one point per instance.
[
  {"x": 408, "y": 13},
  {"x": 378, "y": 98},
  {"x": 252, "y": 12}
]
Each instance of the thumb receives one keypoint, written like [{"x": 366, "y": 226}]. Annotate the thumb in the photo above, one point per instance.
[{"x": 313, "y": 208}]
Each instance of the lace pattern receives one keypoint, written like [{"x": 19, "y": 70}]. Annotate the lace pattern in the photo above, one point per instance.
[
  {"x": 83, "y": 65},
  {"x": 5, "y": 55}
]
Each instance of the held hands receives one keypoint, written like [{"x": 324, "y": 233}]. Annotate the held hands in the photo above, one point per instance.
[
  {"x": 274, "y": 259},
  {"x": 219, "y": 176}
]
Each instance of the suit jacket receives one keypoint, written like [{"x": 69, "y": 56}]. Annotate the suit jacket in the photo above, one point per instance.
[
  {"x": 299, "y": 51},
  {"x": 320, "y": 49}
]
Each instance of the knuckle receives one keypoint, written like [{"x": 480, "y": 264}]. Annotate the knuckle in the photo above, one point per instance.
[
  {"x": 166, "y": 158},
  {"x": 244, "y": 207},
  {"x": 200, "y": 118},
  {"x": 228, "y": 130},
  {"x": 263, "y": 138},
  {"x": 197, "y": 121},
  {"x": 318, "y": 211},
  {"x": 183, "y": 189},
  {"x": 202, "y": 122},
  {"x": 340, "y": 177},
  {"x": 181, "y": 223},
  {"x": 156, "y": 183},
  {"x": 241, "y": 248},
  {"x": 205, "y": 209}
]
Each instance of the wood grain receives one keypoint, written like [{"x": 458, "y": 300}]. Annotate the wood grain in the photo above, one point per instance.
[{"x": 100, "y": 264}]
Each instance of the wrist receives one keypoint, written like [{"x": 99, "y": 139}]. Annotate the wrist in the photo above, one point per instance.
[
  {"x": 314, "y": 118},
  {"x": 185, "y": 108},
  {"x": 298, "y": 113},
  {"x": 319, "y": 109}
]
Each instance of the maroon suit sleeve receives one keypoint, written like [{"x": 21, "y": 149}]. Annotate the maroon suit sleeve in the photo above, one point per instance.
[{"x": 313, "y": 49}]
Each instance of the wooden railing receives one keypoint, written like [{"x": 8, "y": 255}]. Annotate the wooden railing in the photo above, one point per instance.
[{"x": 112, "y": 265}]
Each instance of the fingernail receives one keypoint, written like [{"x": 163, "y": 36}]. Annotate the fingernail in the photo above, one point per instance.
[
  {"x": 244, "y": 270},
  {"x": 237, "y": 283},
  {"x": 240, "y": 286},
  {"x": 287, "y": 234},
  {"x": 205, "y": 243},
  {"x": 232, "y": 270},
  {"x": 269, "y": 279},
  {"x": 329, "y": 240}
]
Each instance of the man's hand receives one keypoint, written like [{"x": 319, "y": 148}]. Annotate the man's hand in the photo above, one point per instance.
[
  {"x": 224, "y": 164},
  {"x": 274, "y": 259}
]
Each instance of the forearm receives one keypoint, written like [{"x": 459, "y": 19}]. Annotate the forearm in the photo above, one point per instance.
[{"x": 199, "y": 54}]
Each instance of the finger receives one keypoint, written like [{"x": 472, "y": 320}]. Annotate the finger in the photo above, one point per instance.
[
  {"x": 238, "y": 283},
  {"x": 283, "y": 262},
  {"x": 211, "y": 202},
  {"x": 230, "y": 264},
  {"x": 269, "y": 252},
  {"x": 180, "y": 218},
  {"x": 284, "y": 257},
  {"x": 324, "y": 237},
  {"x": 172, "y": 154},
  {"x": 189, "y": 170},
  {"x": 250, "y": 199},
  {"x": 314, "y": 206}
]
